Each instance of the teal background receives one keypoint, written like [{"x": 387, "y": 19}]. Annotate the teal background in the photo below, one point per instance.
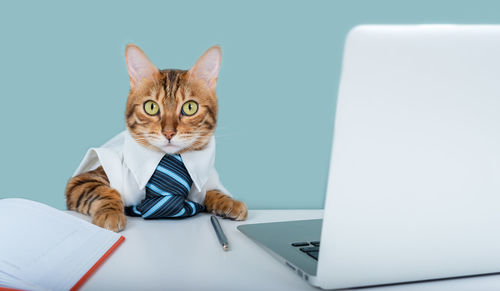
[{"x": 64, "y": 83}]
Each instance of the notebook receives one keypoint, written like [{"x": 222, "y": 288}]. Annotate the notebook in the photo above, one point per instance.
[{"x": 42, "y": 248}]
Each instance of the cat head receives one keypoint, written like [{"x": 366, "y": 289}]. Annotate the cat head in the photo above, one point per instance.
[{"x": 172, "y": 111}]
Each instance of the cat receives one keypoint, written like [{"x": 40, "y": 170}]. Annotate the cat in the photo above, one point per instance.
[{"x": 90, "y": 193}]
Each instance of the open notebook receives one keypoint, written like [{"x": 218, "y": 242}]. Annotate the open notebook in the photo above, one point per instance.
[{"x": 42, "y": 248}]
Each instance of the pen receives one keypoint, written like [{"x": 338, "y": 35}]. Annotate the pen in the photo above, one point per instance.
[{"x": 220, "y": 234}]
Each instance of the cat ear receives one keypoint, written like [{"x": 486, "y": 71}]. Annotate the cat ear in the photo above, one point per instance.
[
  {"x": 139, "y": 66},
  {"x": 207, "y": 67}
]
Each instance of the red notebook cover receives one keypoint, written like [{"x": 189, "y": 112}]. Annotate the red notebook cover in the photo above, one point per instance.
[
  {"x": 90, "y": 271},
  {"x": 97, "y": 264}
]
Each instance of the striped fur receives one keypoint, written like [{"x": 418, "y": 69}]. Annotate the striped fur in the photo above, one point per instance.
[{"x": 91, "y": 194}]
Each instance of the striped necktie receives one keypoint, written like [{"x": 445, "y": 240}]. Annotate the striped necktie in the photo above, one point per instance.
[{"x": 166, "y": 192}]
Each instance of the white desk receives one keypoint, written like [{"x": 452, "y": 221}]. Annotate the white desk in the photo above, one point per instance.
[{"x": 185, "y": 255}]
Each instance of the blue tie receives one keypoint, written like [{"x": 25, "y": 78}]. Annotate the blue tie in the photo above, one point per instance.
[{"x": 166, "y": 192}]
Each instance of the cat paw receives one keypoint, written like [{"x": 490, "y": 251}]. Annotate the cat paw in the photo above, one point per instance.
[
  {"x": 110, "y": 219},
  {"x": 238, "y": 210},
  {"x": 225, "y": 206}
]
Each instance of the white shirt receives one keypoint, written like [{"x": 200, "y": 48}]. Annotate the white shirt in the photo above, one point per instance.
[{"x": 129, "y": 166}]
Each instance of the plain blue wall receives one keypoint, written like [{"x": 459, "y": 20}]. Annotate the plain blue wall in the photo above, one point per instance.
[{"x": 64, "y": 83}]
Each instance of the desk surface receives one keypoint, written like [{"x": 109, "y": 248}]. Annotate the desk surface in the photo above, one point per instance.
[{"x": 185, "y": 255}]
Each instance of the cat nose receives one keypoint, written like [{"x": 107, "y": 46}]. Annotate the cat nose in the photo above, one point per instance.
[{"x": 169, "y": 134}]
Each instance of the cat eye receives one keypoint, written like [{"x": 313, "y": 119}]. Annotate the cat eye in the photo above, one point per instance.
[
  {"x": 189, "y": 108},
  {"x": 151, "y": 107}
]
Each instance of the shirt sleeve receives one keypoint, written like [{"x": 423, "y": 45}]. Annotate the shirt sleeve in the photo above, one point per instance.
[
  {"x": 214, "y": 183},
  {"x": 110, "y": 161}
]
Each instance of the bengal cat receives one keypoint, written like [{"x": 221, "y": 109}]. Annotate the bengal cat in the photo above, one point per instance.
[{"x": 90, "y": 193}]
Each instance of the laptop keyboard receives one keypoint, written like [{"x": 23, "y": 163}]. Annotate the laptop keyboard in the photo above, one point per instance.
[{"x": 309, "y": 248}]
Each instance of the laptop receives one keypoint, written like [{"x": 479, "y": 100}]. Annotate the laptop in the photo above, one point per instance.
[{"x": 413, "y": 191}]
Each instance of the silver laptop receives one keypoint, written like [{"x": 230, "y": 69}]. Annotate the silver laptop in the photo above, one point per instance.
[{"x": 414, "y": 185}]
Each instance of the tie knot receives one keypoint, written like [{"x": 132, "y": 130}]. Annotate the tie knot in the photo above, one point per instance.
[{"x": 167, "y": 192}]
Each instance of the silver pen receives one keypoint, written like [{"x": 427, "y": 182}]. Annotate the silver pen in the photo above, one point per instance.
[{"x": 220, "y": 234}]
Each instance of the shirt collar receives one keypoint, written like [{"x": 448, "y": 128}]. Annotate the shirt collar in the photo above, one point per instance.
[{"x": 142, "y": 161}]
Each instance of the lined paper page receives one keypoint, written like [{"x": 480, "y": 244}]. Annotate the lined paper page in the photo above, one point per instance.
[{"x": 45, "y": 247}]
